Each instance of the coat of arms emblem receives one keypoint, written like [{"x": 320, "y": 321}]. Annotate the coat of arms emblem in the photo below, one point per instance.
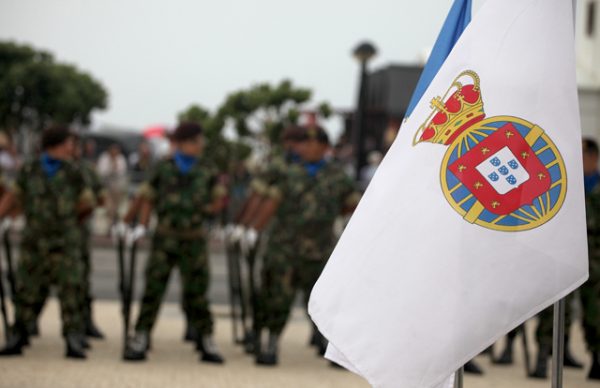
[{"x": 502, "y": 173}]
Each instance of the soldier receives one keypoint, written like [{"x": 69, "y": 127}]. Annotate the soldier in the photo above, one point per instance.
[
  {"x": 120, "y": 230},
  {"x": 53, "y": 194},
  {"x": 303, "y": 204},
  {"x": 590, "y": 290},
  {"x": 282, "y": 157},
  {"x": 92, "y": 181},
  {"x": 183, "y": 191}
]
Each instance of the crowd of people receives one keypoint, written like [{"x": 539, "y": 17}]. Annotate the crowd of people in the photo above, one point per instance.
[
  {"x": 289, "y": 207},
  {"x": 297, "y": 197}
]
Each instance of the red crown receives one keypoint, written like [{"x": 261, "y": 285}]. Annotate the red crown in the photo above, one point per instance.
[{"x": 457, "y": 110}]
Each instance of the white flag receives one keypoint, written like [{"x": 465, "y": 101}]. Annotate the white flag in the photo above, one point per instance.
[{"x": 475, "y": 220}]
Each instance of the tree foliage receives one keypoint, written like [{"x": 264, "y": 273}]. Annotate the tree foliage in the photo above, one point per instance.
[
  {"x": 222, "y": 151},
  {"x": 264, "y": 110},
  {"x": 260, "y": 112},
  {"x": 35, "y": 90}
]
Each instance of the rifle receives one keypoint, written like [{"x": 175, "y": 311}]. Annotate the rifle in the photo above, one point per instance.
[
  {"x": 242, "y": 293},
  {"x": 252, "y": 335},
  {"x": 9, "y": 263},
  {"x": 130, "y": 283},
  {"x": 122, "y": 286},
  {"x": 3, "y": 305},
  {"x": 526, "y": 358},
  {"x": 238, "y": 307},
  {"x": 126, "y": 282}
]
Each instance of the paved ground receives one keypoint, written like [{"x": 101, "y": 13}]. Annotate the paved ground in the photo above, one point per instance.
[
  {"x": 175, "y": 364},
  {"x": 172, "y": 363}
]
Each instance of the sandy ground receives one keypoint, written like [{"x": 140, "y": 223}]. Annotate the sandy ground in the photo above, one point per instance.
[{"x": 175, "y": 364}]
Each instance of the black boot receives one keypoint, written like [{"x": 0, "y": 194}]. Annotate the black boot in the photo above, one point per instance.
[
  {"x": 250, "y": 343},
  {"x": 313, "y": 341},
  {"x": 335, "y": 365},
  {"x": 321, "y": 343},
  {"x": 594, "y": 373},
  {"x": 84, "y": 341},
  {"x": 92, "y": 331},
  {"x": 75, "y": 347},
  {"x": 541, "y": 366},
  {"x": 269, "y": 356},
  {"x": 33, "y": 329},
  {"x": 506, "y": 358},
  {"x": 569, "y": 361},
  {"x": 137, "y": 347},
  {"x": 208, "y": 350},
  {"x": 14, "y": 345},
  {"x": 191, "y": 334},
  {"x": 472, "y": 368}
]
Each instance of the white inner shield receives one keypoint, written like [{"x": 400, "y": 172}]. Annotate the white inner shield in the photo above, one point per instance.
[{"x": 503, "y": 171}]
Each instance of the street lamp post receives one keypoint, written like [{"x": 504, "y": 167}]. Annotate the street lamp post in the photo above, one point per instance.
[{"x": 363, "y": 53}]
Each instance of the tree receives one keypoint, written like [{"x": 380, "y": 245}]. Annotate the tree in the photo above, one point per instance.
[
  {"x": 258, "y": 114},
  {"x": 35, "y": 91},
  {"x": 223, "y": 152},
  {"x": 264, "y": 110}
]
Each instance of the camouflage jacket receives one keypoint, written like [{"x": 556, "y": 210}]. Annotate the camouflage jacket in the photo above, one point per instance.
[
  {"x": 91, "y": 177},
  {"x": 309, "y": 207},
  {"x": 50, "y": 205},
  {"x": 182, "y": 201},
  {"x": 274, "y": 171}
]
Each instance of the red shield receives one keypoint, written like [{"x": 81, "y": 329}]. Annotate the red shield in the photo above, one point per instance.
[{"x": 502, "y": 191}]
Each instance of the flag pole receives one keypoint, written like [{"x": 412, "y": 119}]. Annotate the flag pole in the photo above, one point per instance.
[
  {"x": 558, "y": 331},
  {"x": 558, "y": 346},
  {"x": 458, "y": 379}
]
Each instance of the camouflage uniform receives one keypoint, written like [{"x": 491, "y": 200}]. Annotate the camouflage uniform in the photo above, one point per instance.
[
  {"x": 274, "y": 171},
  {"x": 51, "y": 244},
  {"x": 92, "y": 181},
  {"x": 590, "y": 290},
  {"x": 302, "y": 237},
  {"x": 181, "y": 202}
]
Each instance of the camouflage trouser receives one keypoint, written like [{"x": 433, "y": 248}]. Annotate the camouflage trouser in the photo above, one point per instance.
[
  {"x": 86, "y": 294},
  {"x": 191, "y": 257},
  {"x": 590, "y": 302},
  {"x": 86, "y": 261},
  {"x": 283, "y": 275},
  {"x": 45, "y": 262},
  {"x": 543, "y": 332}
]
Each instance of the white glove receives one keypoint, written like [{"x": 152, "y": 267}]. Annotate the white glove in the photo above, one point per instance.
[
  {"x": 135, "y": 234},
  {"x": 119, "y": 230},
  {"x": 249, "y": 239},
  {"x": 236, "y": 233},
  {"x": 5, "y": 225},
  {"x": 228, "y": 230}
]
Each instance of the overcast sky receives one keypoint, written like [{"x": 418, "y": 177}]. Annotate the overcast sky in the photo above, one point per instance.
[{"x": 156, "y": 57}]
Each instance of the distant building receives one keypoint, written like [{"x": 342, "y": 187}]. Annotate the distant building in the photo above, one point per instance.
[
  {"x": 588, "y": 66},
  {"x": 389, "y": 90}
]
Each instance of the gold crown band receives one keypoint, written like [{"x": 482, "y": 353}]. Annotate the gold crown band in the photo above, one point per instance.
[{"x": 454, "y": 120}]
